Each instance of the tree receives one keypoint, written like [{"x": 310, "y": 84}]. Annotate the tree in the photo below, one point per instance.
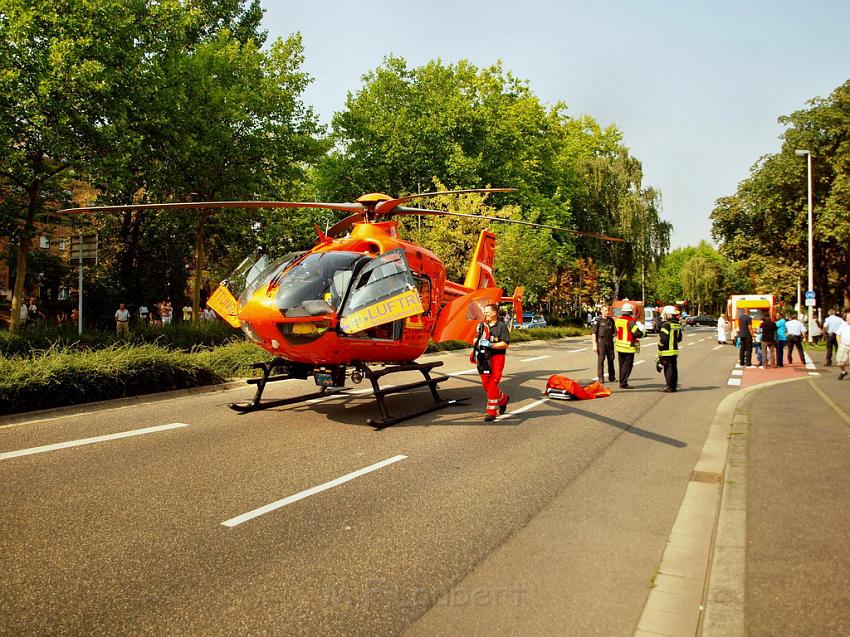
[
  {"x": 215, "y": 117},
  {"x": 700, "y": 279},
  {"x": 61, "y": 80},
  {"x": 468, "y": 127},
  {"x": 767, "y": 216}
]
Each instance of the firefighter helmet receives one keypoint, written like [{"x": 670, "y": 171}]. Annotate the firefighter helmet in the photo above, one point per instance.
[{"x": 628, "y": 308}]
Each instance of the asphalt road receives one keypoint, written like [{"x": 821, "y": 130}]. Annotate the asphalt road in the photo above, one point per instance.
[{"x": 552, "y": 520}]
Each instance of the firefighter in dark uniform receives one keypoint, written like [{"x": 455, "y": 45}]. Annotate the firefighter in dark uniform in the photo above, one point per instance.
[
  {"x": 670, "y": 335},
  {"x": 627, "y": 337},
  {"x": 603, "y": 344},
  {"x": 488, "y": 352}
]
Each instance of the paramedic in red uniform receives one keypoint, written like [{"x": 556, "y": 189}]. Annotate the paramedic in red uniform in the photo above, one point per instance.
[{"x": 488, "y": 352}]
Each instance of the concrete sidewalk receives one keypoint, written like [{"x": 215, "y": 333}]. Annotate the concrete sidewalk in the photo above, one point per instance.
[{"x": 781, "y": 558}]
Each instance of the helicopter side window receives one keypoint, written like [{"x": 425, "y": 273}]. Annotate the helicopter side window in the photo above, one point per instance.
[
  {"x": 423, "y": 286},
  {"x": 385, "y": 277}
]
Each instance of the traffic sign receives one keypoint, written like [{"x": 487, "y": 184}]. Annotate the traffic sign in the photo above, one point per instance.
[
  {"x": 811, "y": 302},
  {"x": 810, "y": 294},
  {"x": 84, "y": 246}
]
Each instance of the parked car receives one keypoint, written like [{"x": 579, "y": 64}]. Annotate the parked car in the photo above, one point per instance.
[
  {"x": 530, "y": 320},
  {"x": 702, "y": 319}
]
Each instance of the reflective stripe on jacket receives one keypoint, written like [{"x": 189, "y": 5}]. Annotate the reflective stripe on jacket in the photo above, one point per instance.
[
  {"x": 670, "y": 336},
  {"x": 626, "y": 335}
]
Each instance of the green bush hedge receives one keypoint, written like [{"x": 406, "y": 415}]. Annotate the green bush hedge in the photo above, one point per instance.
[
  {"x": 60, "y": 375},
  {"x": 182, "y": 336}
]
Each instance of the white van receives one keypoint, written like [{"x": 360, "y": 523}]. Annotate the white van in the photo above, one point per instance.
[{"x": 651, "y": 319}]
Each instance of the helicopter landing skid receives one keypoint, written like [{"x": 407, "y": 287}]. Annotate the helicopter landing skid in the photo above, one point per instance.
[
  {"x": 289, "y": 373},
  {"x": 374, "y": 377}
]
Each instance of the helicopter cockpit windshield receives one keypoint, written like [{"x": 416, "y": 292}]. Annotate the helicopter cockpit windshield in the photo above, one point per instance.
[
  {"x": 255, "y": 271},
  {"x": 316, "y": 284}
]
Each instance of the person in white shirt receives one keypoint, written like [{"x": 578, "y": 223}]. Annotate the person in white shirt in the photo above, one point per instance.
[
  {"x": 122, "y": 320},
  {"x": 843, "y": 338},
  {"x": 143, "y": 314},
  {"x": 831, "y": 326},
  {"x": 721, "y": 329},
  {"x": 795, "y": 330}
]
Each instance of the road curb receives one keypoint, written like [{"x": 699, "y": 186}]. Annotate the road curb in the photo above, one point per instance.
[
  {"x": 54, "y": 413},
  {"x": 699, "y": 539}
]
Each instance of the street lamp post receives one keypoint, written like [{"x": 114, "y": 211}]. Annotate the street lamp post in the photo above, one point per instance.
[{"x": 808, "y": 155}]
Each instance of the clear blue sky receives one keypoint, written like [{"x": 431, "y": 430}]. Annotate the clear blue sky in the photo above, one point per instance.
[{"x": 695, "y": 87}]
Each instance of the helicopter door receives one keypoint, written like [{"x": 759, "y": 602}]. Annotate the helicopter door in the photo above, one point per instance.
[{"x": 383, "y": 292}]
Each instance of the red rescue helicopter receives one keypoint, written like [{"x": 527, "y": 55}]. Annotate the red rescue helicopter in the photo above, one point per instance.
[{"x": 360, "y": 298}]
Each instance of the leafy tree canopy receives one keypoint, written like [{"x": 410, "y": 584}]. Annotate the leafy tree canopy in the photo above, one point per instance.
[{"x": 764, "y": 224}]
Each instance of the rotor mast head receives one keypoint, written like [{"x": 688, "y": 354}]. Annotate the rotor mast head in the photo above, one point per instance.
[{"x": 369, "y": 201}]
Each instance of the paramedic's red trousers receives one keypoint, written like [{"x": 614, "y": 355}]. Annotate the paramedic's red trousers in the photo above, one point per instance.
[{"x": 495, "y": 396}]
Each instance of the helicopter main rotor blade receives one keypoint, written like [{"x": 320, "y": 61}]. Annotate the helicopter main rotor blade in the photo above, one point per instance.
[
  {"x": 386, "y": 206},
  {"x": 344, "y": 207},
  {"x": 344, "y": 224},
  {"x": 422, "y": 211}
]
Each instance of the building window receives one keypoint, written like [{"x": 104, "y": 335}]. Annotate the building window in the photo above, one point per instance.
[{"x": 44, "y": 242}]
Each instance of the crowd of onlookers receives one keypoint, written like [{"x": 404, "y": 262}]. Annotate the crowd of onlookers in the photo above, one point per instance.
[
  {"x": 774, "y": 341},
  {"x": 158, "y": 315}
]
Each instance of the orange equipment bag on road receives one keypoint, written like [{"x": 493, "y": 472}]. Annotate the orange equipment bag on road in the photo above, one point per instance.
[{"x": 565, "y": 388}]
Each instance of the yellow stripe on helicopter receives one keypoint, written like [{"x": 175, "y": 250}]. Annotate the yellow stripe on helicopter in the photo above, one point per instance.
[{"x": 396, "y": 307}]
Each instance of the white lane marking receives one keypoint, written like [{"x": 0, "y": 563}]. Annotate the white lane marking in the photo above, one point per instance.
[
  {"x": 691, "y": 343},
  {"x": 716, "y": 348},
  {"x": 701, "y": 340},
  {"x": 239, "y": 519},
  {"x": 639, "y": 362},
  {"x": 814, "y": 373},
  {"x": 583, "y": 349},
  {"x": 474, "y": 370},
  {"x": 89, "y": 441},
  {"x": 522, "y": 409},
  {"x": 733, "y": 381},
  {"x": 737, "y": 372},
  {"x": 809, "y": 363},
  {"x": 536, "y": 358}
]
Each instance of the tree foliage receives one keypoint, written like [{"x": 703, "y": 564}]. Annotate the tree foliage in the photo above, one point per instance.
[
  {"x": 168, "y": 101},
  {"x": 470, "y": 127},
  {"x": 763, "y": 226}
]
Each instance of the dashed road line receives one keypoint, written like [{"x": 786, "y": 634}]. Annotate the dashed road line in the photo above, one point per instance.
[
  {"x": 89, "y": 441},
  {"x": 733, "y": 381},
  {"x": 523, "y": 409},
  {"x": 250, "y": 515},
  {"x": 716, "y": 348},
  {"x": 536, "y": 358}
]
